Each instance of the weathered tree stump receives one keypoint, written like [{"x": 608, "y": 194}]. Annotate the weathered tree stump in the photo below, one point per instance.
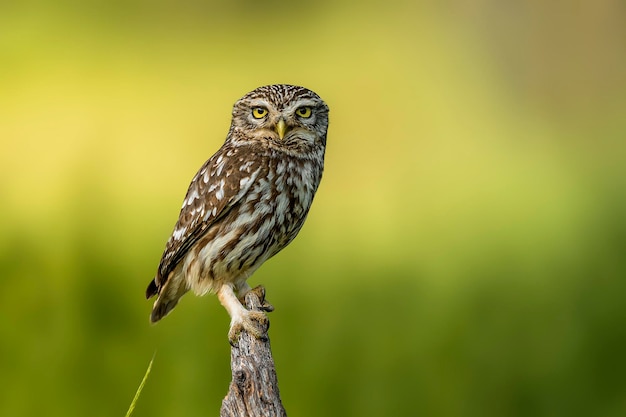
[{"x": 253, "y": 391}]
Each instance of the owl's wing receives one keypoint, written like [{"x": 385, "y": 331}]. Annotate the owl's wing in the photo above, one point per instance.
[{"x": 216, "y": 188}]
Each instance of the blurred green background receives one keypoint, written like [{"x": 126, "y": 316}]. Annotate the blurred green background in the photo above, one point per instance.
[{"x": 465, "y": 255}]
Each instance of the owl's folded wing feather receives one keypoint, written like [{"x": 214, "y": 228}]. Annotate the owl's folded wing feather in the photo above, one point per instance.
[{"x": 216, "y": 188}]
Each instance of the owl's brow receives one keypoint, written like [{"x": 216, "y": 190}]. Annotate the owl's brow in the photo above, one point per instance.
[
  {"x": 296, "y": 104},
  {"x": 303, "y": 102},
  {"x": 299, "y": 103},
  {"x": 259, "y": 103}
]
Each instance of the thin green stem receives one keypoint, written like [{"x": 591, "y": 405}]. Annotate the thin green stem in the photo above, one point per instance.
[{"x": 138, "y": 393}]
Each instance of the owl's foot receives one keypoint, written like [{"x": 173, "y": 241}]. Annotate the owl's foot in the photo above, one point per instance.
[
  {"x": 253, "y": 322},
  {"x": 259, "y": 290}
]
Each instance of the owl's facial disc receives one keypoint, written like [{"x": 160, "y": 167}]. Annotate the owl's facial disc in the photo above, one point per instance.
[{"x": 291, "y": 123}]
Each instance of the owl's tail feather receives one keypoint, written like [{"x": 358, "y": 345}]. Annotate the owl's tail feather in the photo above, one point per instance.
[
  {"x": 161, "y": 308},
  {"x": 152, "y": 289},
  {"x": 169, "y": 294}
]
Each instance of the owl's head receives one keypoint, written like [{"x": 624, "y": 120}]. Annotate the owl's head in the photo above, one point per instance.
[{"x": 285, "y": 115}]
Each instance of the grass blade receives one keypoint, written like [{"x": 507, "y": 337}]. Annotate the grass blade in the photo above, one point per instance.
[{"x": 138, "y": 393}]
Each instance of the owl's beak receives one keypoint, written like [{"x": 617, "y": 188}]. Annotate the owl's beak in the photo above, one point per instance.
[{"x": 281, "y": 128}]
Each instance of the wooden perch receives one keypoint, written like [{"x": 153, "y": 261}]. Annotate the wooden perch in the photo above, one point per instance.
[{"x": 253, "y": 390}]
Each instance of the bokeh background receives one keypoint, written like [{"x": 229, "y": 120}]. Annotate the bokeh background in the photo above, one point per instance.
[{"x": 465, "y": 255}]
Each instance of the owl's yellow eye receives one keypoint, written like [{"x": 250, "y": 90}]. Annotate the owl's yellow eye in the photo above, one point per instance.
[
  {"x": 259, "y": 112},
  {"x": 304, "y": 112}
]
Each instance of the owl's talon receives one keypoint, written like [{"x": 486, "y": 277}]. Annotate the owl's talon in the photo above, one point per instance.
[
  {"x": 259, "y": 291},
  {"x": 267, "y": 307},
  {"x": 253, "y": 322}
]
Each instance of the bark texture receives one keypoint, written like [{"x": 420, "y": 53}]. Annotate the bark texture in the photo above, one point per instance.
[{"x": 253, "y": 390}]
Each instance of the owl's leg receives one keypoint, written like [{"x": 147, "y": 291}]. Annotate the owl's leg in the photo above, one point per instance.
[
  {"x": 254, "y": 322},
  {"x": 259, "y": 290}
]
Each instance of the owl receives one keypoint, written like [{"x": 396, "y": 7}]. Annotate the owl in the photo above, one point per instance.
[{"x": 246, "y": 203}]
